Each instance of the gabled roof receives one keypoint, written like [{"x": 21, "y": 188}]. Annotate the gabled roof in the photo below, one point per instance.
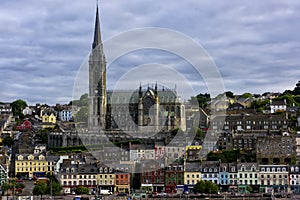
[{"x": 192, "y": 167}]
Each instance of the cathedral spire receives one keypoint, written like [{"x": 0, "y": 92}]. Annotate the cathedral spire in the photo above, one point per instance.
[{"x": 97, "y": 33}]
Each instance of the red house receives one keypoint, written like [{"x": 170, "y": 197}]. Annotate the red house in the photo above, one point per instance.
[{"x": 26, "y": 125}]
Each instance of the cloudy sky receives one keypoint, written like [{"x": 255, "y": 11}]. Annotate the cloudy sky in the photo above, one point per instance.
[{"x": 254, "y": 44}]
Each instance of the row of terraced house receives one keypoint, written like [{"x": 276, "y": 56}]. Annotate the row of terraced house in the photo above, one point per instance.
[{"x": 179, "y": 178}]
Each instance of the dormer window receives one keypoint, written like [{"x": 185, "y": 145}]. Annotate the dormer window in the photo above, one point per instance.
[
  {"x": 72, "y": 170},
  {"x": 253, "y": 168},
  {"x": 262, "y": 169},
  {"x": 292, "y": 169},
  {"x": 283, "y": 169},
  {"x": 273, "y": 169},
  {"x": 67, "y": 170},
  {"x": 278, "y": 169},
  {"x": 31, "y": 157},
  {"x": 297, "y": 169},
  {"x": 100, "y": 170}
]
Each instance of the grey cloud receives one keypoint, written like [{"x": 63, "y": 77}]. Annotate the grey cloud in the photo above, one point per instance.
[{"x": 43, "y": 43}]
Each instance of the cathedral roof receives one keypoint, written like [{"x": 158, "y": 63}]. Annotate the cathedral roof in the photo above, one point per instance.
[{"x": 129, "y": 96}]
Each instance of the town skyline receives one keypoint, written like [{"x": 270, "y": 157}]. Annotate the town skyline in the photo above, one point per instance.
[{"x": 44, "y": 47}]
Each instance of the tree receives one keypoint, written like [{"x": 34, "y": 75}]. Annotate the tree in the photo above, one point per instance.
[
  {"x": 82, "y": 190},
  {"x": 203, "y": 99},
  {"x": 40, "y": 189},
  {"x": 247, "y": 95},
  {"x": 260, "y": 105},
  {"x": 5, "y": 187},
  {"x": 207, "y": 187},
  {"x": 200, "y": 187},
  {"x": 297, "y": 89},
  {"x": 229, "y": 94},
  {"x": 211, "y": 188},
  {"x": 83, "y": 101},
  {"x": 43, "y": 135},
  {"x": 13, "y": 186},
  {"x": 8, "y": 141},
  {"x": 54, "y": 188},
  {"x": 18, "y": 106},
  {"x": 197, "y": 132},
  {"x": 82, "y": 115}
]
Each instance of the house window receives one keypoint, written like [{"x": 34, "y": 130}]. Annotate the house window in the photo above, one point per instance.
[{"x": 283, "y": 169}]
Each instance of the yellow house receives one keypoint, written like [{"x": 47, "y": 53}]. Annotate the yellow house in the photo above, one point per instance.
[
  {"x": 106, "y": 178},
  {"x": 192, "y": 152},
  {"x": 192, "y": 174},
  {"x": 30, "y": 166},
  {"x": 48, "y": 121}
]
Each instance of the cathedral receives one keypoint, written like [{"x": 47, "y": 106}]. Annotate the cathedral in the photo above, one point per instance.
[
  {"x": 149, "y": 112},
  {"x": 145, "y": 109}
]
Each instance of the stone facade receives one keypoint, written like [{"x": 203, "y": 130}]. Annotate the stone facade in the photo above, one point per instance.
[{"x": 279, "y": 149}]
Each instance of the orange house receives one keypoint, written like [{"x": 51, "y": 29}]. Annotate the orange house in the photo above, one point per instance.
[{"x": 122, "y": 180}]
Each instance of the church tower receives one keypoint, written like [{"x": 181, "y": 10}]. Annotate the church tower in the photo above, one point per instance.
[{"x": 97, "y": 82}]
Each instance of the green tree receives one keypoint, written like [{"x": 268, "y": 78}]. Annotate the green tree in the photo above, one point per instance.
[
  {"x": 18, "y": 106},
  {"x": 229, "y": 94},
  {"x": 211, "y": 188},
  {"x": 82, "y": 190},
  {"x": 43, "y": 135},
  {"x": 203, "y": 99},
  {"x": 260, "y": 105},
  {"x": 83, "y": 101},
  {"x": 199, "y": 187},
  {"x": 247, "y": 95},
  {"x": 207, "y": 187},
  {"x": 8, "y": 141},
  {"x": 82, "y": 115},
  {"x": 54, "y": 188},
  {"x": 197, "y": 132},
  {"x": 296, "y": 90},
  {"x": 13, "y": 186},
  {"x": 40, "y": 189},
  {"x": 5, "y": 187}
]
